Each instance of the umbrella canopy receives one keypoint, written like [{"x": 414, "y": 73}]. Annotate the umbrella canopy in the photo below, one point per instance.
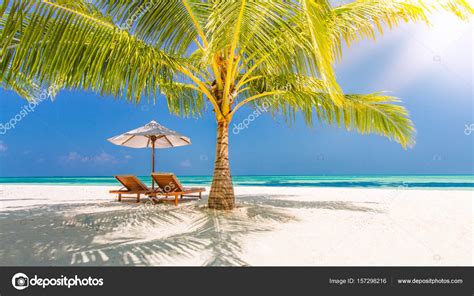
[{"x": 152, "y": 135}]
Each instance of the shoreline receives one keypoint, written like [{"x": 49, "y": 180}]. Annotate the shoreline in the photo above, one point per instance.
[
  {"x": 385, "y": 187},
  {"x": 450, "y": 182},
  {"x": 117, "y": 185}
]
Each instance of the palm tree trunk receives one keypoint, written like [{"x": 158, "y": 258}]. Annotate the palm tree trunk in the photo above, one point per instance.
[{"x": 221, "y": 196}]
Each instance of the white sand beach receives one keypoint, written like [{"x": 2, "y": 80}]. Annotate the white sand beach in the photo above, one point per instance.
[{"x": 84, "y": 225}]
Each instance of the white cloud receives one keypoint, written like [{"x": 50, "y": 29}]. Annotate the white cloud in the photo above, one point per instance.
[
  {"x": 104, "y": 158},
  {"x": 101, "y": 158},
  {"x": 3, "y": 147},
  {"x": 185, "y": 163},
  {"x": 417, "y": 51},
  {"x": 74, "y": 156},
  {"x": 430, "y": 50}
]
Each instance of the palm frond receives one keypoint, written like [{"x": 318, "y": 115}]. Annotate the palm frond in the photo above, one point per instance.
[
  {"x": 167, "y": 24},
  {"x": 23, "y": 86},
  {"x": 183, "y": 99},
  {"x": 269, "y": 39},
  {"x": 366, "y": 113},
  {"x": 317, "y": 14},
  {"x": 66, "y": 41}
]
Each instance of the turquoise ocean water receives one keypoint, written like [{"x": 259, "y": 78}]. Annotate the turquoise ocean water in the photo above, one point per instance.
[{"x": 413, "y": 181}]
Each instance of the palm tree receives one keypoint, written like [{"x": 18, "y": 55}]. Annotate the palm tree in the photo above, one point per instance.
[{"x": 225, "y": 54}]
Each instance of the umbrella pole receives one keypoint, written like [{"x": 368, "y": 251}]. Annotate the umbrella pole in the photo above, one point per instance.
[{"x": 153, "y": 139}]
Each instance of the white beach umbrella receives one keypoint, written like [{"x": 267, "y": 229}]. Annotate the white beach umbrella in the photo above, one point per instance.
[{"x": 152, "y": 135}]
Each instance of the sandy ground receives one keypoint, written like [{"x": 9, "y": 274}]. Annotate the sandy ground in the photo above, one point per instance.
[{"x": 84, "y": 225}]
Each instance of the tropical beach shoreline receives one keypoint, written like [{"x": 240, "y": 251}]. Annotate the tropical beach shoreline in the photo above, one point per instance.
[{"x": 57, "y": 225}]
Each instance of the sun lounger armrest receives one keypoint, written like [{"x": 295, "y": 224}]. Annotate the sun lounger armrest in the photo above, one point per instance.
[
  {"x": 118, "y": 191},
  {"x": 130, "y": 191},
  {"x": 194, "y": 189}
]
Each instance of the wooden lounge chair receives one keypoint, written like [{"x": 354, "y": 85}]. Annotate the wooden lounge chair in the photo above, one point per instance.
[
  {"x": 131, "y": 185},
  {"x": 169, "y": 186}
]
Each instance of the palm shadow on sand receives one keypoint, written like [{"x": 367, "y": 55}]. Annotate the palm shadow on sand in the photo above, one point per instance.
[{"x": 111, "y": 233}]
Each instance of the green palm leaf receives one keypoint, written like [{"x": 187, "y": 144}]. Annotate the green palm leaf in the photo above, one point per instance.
[
  {"x": 51, "y": 42},
  {"x": 165, "y": 24},
  {"x": 365, "y": 113}
]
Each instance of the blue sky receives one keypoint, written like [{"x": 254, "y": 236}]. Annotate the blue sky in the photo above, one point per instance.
[{"x": 430, "y": 69}]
